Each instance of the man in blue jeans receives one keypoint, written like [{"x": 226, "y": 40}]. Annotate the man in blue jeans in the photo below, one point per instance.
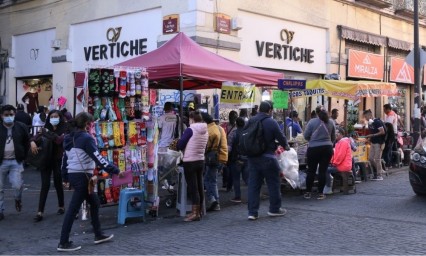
[
  {"x": 14, "y": 145},
  {"x": 265, "y": 166}
]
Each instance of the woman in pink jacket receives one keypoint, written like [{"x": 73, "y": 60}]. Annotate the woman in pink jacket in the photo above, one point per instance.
[
  {"x": 341, "y": 160},
  {"x": 193, "y": 142}
]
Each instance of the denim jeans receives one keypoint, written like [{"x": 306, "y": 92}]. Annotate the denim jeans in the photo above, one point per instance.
[
  {"x": 210, "y": 182},
  {"x": 260, "y": 169},
  {"x": 14, "y": 170},
  {"x": 237, "y": 168},
  {"x": 330, "y": 170},
  {"x": 79, "y": 182}
]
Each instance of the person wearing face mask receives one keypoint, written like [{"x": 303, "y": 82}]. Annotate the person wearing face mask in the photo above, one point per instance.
[
  {"x": 54, "y": 131},
  {"x": 78, "y": 162},
  {"x": 14, "y": 145}
]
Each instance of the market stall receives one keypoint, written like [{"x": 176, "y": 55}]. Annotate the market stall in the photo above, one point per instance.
[{"x": 182, "y": 64}]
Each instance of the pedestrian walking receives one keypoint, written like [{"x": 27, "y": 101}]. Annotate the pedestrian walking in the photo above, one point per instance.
[
  {"x": 320, "y": 132},
  {"x": 193, "y": 144},
  {"x": 265, "y": 167},
  {"x": 238, "y": 163},
  {"x": 22, "y": 116},
  {"x": 377, "y": 142},
  {"x": 54, "y": 132},
  {"x": 216, "y": 157},
  {"x": 80, "y": 158},
  {"x": 14, "y": 146}
]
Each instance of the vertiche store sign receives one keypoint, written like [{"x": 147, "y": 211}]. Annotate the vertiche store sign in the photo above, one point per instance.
[
  {"x": 365, "y": 65},
  {"x": 106, "y": 42},
  {"x": 281, "y": 44},
  {"x": 115, "y": 48}
]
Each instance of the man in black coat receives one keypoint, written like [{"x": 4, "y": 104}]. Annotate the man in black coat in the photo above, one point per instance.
[
  {"x": 14, "y": 146},
  {"x": 22, "y": 116}
]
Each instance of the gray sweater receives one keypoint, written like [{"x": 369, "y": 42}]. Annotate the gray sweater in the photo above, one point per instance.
[{"x": 320, "y": 137}]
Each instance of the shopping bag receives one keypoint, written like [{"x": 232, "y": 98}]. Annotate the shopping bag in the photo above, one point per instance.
[
  {"x": 289, "y": 164},
  {"x": 127, "y": 179}
]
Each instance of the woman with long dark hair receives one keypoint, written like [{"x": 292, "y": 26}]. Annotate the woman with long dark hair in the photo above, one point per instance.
[
  {"x": 54, "y": 131},
  {"x": 320, "y": 132},
  {"x": 193, "y": 143}
]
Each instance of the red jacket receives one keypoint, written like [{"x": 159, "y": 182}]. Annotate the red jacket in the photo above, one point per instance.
[{"x": 342, "y": 158}]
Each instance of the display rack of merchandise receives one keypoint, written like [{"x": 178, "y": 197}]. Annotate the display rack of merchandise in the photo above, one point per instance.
[{"x": 119, "y": 101}]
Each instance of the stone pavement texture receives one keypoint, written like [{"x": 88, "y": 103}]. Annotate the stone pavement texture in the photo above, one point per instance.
[{"x": 384, "y": 217}]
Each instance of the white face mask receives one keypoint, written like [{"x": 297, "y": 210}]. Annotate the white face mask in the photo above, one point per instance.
[
  {"x": 54, "y": 120},
  {"x": 370, "y": 122}
]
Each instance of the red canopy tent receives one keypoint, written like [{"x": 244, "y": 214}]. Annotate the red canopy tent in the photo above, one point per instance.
[{"x": 183, "y": 64}]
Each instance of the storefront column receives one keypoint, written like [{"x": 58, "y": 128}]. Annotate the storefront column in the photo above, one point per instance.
[
  {"x": 10, "y": 97},
  {"x": 63, "y": 83}
]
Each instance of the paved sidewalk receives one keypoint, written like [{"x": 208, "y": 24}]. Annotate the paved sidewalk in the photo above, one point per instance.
[{"x": 167, "y": 233}]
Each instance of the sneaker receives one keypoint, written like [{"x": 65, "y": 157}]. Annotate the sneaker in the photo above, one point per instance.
[
  {"x": 216, "y": 208},
  {"x": 103, "y": 238},
  {"x": 357, "y": 181},
  {"x": 281, "y": 212},
  {"x": 307, "y": 195},
  {"x": 68, "y": 247},
  {"x": 1, "y": 216},
  {"x": 378, "y": 178},
  {"x": 328, "y": 190},
  {"x": 321, "y": 197},
  {"x": 253, "y": 217},
  {"x": 236, "y": 200},
  {"x": 18, "y": 205},
  {"x": 212, "y": 205}
]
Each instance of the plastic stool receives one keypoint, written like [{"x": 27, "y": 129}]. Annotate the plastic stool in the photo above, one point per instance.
[{"x": 125, "y": 209}]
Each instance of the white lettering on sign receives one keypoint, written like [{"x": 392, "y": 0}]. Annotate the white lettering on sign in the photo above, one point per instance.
[{"x": 371, "y": 70}]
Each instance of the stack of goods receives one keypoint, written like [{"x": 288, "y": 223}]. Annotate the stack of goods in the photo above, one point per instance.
[{"x": 119, "y": 102}]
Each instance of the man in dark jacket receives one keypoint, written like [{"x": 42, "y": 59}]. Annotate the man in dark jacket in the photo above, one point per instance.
[
  {"x": 265, "y": 166},
  {"x": 14, "y": 146},
  {"x": 22, "y": 116}
]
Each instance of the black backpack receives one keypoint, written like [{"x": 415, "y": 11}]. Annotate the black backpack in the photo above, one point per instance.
[{"x": 252, "y": 142}]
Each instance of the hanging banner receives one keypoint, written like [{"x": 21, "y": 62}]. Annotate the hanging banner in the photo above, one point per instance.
[
  {"x": 237, "y": 95},
  {"x": 351, "y": 90},
  {"x": 365, "y": 65},
  {"x": 401, "y": 71},
  {"x": 280, "y": 99},
  {"x": 287, "y": 84}
]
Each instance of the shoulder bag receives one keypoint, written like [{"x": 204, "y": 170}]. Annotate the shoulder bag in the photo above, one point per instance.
[{"x": 212, "y": 156}]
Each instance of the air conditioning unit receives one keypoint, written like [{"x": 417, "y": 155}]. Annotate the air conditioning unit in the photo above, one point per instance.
[{"x": 236, "y": 23}]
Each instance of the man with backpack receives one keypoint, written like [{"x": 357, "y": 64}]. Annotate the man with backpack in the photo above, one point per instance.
[
  {"x": 377, "y": 140},
  {"x": 257, "y": 142}
]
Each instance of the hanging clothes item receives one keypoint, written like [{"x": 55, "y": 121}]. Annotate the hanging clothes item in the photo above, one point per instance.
[{"x": 31, "y": 100}]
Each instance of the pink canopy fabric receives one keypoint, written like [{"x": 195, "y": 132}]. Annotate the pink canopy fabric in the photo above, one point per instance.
[{"x": 199, "y": 68}]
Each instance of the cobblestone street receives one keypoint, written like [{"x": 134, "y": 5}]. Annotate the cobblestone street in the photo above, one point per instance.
[{"x": 384, "y": 217}]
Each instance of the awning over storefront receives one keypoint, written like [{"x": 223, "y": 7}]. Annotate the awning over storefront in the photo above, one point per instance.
[
  {"x": 350, "y": 90},
  {"x": 361, "y": 36}
]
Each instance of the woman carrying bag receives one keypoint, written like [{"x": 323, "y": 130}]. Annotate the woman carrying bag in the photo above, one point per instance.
[
  {"x": 80, "y": 159},
  {"x": 53, "y": 133}
]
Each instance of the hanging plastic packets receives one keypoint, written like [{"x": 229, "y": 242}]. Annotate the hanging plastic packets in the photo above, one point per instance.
[
  {"x": 138, "y": 81},
  {"x": 94, "y": 82},
  {"x": 98, "y": 131},
  {"x": 123, "y": 84},
  {"x": 108, "y": 191},
  {"x": 132, "y": 133},
  {"x": 142, "y": 134},
  {"x": 122, "y": 135},
  {"x": 117, "y": 135},
  {"x": 121, "y": 160}
]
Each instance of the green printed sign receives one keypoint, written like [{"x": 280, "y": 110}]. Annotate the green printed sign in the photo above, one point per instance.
[{"x": 280, "y": 99}]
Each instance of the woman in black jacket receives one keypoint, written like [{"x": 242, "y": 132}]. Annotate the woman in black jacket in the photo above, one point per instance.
[{"x": 53, "y": 132}]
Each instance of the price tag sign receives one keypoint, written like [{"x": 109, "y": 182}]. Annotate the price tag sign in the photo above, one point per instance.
[{"x": 280, "y": 99}]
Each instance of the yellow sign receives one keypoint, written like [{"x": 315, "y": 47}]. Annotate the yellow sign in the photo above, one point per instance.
[
  {"x": 361, "y": 154},
  {"x": 239, "y": 95}
]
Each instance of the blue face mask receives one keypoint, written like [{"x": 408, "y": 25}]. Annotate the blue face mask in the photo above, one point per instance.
[
  {"x": 54, "y": 121},
  {"x": 8, "y": 119}
]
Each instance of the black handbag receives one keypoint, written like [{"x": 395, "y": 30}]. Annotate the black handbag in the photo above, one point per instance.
[
  {"x": 212, "y": 156},
  {"x": 40, "y": 159}
]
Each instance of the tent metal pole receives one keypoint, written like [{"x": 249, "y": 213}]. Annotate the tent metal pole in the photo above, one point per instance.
[{"x": 181, "y": 104}]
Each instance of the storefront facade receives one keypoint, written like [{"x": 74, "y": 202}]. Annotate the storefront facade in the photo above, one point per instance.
[{"x": 303, "y": 39}]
